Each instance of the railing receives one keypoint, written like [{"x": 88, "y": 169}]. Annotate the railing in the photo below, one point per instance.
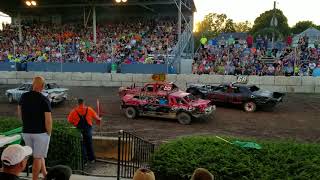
[
  {"x": 133, "y": 153},
  {"x": 183, "y": 41}
]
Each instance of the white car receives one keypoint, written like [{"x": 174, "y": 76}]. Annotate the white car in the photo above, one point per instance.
[{"x": 52, "y": 91}]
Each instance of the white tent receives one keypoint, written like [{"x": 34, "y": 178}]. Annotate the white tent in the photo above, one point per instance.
[{"x": 312, "y": 33}]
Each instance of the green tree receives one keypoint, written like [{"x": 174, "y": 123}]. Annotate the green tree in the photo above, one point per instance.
[
  {"x": 264, "y": 21},
  {"x": 243, "y": 26},
  {"x": 212, "y": 25},
  {"x": 301, "y": 26},
  {"x": 229, "y": 26}
]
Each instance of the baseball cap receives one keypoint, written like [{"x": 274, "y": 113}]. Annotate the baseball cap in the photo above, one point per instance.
[{"x": 14, "y": 154}]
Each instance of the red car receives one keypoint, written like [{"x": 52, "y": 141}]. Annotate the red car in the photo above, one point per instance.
[
  {"x": 150, "y": 89},
  {"x": 173, "y": 105}
]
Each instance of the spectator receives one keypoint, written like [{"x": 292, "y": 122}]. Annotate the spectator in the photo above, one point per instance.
[
  {"x": 250, "y": 41},
  {"x": 35, "y": 111},
  {"x": 14, "y": 159},
  {"x": 59, "y": 172},
  {"x": 202, "y": 174},
  {"x": 143, "y": 174},
  {"x": 81, "y": 117}
]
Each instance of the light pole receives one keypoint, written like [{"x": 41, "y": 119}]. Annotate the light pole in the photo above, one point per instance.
[{"x": 274, "y": 23}]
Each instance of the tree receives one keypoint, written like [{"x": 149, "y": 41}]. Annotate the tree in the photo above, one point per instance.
[
  {"x": 301, "y": 26},
  {"x": 263, "y": 21},
  {"x": 243, "y": 26},
  {"x": 229, "y": 26},
  {"x": 212, "y": 25}
]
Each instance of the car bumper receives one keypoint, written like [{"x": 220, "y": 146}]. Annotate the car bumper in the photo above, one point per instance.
[
  {"x": 59, "y": 99},
  {"x": 207, "y": 113}
]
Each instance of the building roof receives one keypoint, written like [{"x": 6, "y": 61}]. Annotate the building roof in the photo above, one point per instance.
[{"x": 12, "y": 7}]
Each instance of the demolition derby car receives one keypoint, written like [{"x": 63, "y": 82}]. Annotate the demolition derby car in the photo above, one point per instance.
[
  {"x": 248, "y": 96},
  {"x": 150, "y": 89},
  {"x": 173, "y": 105},
  {"x": 52, "y": 91}
]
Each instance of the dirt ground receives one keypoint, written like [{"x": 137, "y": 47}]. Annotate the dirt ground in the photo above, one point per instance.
[{"x": 295, "y": 118}]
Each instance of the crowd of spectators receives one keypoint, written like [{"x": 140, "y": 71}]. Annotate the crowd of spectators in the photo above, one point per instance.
[
  {"x": 126, "y": 41},
  {"x": 248, "y": 57}
]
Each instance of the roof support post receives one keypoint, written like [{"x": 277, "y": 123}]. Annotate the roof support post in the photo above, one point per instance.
[
  {"x": 94, "y": 24},
  {"x": 19, "y": 27}
]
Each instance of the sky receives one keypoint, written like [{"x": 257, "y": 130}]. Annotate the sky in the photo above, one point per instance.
[{"x": 242, "y": 10}]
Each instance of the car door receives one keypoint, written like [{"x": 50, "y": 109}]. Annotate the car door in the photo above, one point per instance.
[
  {"x": 236, "y": 96},
  {"x": 219, "y": 95}
]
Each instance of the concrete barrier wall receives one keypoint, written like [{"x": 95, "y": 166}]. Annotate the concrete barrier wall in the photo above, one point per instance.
[{"x": 274, "y": 83}]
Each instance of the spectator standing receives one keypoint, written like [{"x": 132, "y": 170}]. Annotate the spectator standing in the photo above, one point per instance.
[
  {"x": 289, "y": 41},
  {"x": 250, "y": 41},
  {"x": 81, "y": 117},
  {"x": 35, "y": 111},
  {"x": 14, "y": 159}
]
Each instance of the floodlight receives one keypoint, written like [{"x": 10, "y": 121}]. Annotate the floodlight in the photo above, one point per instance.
[
  {"x": 124, "y": 1},
  {"x": 118, "y": 1},
  {"x": 28, "y": 3},
  {"x": 34, "y": 3}
]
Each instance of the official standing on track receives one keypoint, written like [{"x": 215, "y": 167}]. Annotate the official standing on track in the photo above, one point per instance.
[
  {"x": 35, "y": 111},
  {"x": 81, "y": 117}
]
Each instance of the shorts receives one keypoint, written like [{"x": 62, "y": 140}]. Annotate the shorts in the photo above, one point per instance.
[{"x": 39, "y": 144}]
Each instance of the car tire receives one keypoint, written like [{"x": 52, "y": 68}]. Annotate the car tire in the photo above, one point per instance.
[
  {"x": 131, "y": 112},
  {"x": 10, "y": 98},
  {"x": 250, "y": 106},
  {"x": 184, "y": 118}
]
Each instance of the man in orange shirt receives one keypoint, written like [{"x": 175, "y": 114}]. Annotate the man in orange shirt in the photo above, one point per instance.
[{"x": 81, "y": 117}]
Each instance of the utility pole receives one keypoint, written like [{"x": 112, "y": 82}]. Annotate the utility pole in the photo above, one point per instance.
[{"x": 274, "y": 23}]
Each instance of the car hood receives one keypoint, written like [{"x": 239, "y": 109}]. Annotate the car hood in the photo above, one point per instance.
[
  {"x": 57, "y": 90},
  {"x": 264, "y": 93},
  {"x": 200, "y": 102}
]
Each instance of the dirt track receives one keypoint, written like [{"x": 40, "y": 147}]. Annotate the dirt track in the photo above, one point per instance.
[{"x": 297, "y": 118}]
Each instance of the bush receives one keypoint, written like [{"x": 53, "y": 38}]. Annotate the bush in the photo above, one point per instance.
[
  {"x": 65, "y": 143},
  {"x": 276, "y": 160}
]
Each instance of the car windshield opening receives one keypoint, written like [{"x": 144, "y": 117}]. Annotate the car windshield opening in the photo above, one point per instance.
[
  {"x": 189, "y": 98},
  {"x": 254, "y": 88}
]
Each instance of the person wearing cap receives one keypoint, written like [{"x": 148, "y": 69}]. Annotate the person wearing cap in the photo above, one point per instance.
[
  {"x": 35, "y": 111},
  {"x": 14, "y": 159},
  {"x": 81, "y": 117}
]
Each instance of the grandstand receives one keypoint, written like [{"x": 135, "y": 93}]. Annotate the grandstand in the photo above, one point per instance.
[{"x": 135, "y": 33}]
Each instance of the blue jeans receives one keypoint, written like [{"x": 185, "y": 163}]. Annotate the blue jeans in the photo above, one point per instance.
[{"x": 88, "y": 153}]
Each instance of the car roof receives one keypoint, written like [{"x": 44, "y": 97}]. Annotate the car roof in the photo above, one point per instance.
[
  {"x": 236, "y": 85},
  {"x": 160, "y": 83}
]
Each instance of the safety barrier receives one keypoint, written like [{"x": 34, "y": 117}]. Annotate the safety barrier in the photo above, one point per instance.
[{"x": 293, "y": 84}]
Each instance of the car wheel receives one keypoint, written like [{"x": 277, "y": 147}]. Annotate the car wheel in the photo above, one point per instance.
[
  {"x": 184, "y": 118},
  {"x": 131, "y": 112},
  {"x": 250, "y": 106},
  {"x": 10, "y": 98}
]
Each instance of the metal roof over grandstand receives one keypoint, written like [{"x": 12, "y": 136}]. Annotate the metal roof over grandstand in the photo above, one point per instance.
[{"x": 13, "y": 7}]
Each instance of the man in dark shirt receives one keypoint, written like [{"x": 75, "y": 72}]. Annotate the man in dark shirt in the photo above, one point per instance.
[
  {"x": 14, "y": 159},
  {"x": 35, "y": 111}
]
